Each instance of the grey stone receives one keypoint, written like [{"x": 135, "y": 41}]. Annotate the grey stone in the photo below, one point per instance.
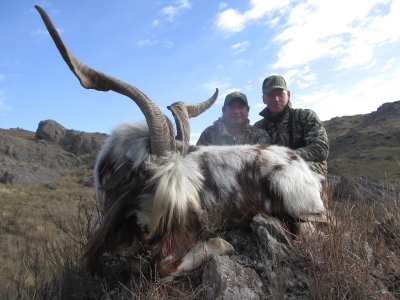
[
  {"x": 50, "y": 130},
  {"x": 224, "y": 279}
]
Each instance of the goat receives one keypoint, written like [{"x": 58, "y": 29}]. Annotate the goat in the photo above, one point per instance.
[{"x": 157, "y": 193}]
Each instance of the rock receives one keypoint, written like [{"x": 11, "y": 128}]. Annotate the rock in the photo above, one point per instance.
[
  {"x": 224, "y": 279},
  {"x": 87, "y": 181},
  {"x": 78, "y": 142},
  {"x": 7, "y": 176},
  {"x": 274, "y": 238},
  {"x": 50, "y": 130},
  {"x": 267, "y": 250}
]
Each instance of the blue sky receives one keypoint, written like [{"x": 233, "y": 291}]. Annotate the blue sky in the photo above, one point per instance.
[{"x": 339, "y": 57}]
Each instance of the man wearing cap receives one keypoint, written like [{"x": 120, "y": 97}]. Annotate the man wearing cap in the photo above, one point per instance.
[
  {"x": 298, "y": 129},
  {"x": 233, "y": 127}
]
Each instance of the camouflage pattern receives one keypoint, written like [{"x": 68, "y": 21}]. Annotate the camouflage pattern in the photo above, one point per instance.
[
  {"x": 217, "y": 134},
  {"x": 309, "y": 136}
]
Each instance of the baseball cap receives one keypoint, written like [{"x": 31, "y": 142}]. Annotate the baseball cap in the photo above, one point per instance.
[
  {"x": 235, "y": 95},
  {"x": 273, "y": 82}
]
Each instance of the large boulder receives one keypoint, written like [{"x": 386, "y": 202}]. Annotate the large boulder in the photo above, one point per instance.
[{"x": 50, "y": 130}]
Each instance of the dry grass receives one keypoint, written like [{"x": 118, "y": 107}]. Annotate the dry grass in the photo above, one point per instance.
[
  {"x": 27, "y": 221},
  {"x": 44, "y": 230},
  {"x": 358, "y": 257}
]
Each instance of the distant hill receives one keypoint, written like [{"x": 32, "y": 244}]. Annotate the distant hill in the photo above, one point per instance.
[
  {"x": 359, "y": 145},
  {"x": 366, "y": 144}
]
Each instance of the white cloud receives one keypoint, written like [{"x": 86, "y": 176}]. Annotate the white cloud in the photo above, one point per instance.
[
  {"x": 317, "y": 29},
  {"x": 240, "y": 47},
  {"x": 2, "y": 77},
  {"x": 171, "y": 12},
  {"x": 155, "y": 23},
  {"x": 143, "y": 43},
  {"x": 147, "y": 43},
  {"x": 273, "y": 22},
  {"x": 231, "y": 20},
  {"x": 222, "y": 5},
  {"x": 239, "y": 64},
  {"x": 311, "y": 30},
  {"x": 301, "y": 77},
  {"x": 40, "y": 33},
  {"x": 388, "y": 64},
  {"x": 248, "y": 85},
  {"x": 362, "y": 98}
]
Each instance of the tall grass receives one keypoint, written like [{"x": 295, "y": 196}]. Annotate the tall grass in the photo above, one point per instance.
[{"x": 358, "y": 255}]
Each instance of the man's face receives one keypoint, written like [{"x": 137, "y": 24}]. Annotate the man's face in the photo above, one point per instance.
[
  {"x": 235, "y": 114},
  {"x": 276, "y": 100}
]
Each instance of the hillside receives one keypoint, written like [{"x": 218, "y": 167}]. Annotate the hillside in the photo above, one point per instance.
[{"x": 366, "y": 144}]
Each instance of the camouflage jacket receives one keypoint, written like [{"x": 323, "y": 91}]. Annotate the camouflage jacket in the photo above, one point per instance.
[
  {"x": 217, "y": 134},
  {"x": 309, "y": 136}
]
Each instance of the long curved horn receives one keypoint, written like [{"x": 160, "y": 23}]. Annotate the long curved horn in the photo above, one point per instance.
[
  {"x": 196, "y": 109},
  {"x": 182, "y": 112},
  {"x": 162, "y": 137}
]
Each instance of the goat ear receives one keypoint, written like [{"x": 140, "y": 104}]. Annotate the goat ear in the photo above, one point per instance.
[{"x": 162, "y": 135}]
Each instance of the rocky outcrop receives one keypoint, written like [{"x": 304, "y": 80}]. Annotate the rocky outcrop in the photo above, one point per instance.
[
  {"x": 50, "y": 130},
  {"x": 78, "y": 142}
]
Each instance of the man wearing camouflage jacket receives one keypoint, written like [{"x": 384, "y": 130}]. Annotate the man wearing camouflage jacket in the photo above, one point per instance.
[
  {"x": 299, "y": 129},
  {"x": 233, "y": 127}
]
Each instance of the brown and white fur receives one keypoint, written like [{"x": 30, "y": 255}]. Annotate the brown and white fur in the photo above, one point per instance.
[
  {"x": 157, "y": 194},
  {"x": 162, "y": 201}
]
